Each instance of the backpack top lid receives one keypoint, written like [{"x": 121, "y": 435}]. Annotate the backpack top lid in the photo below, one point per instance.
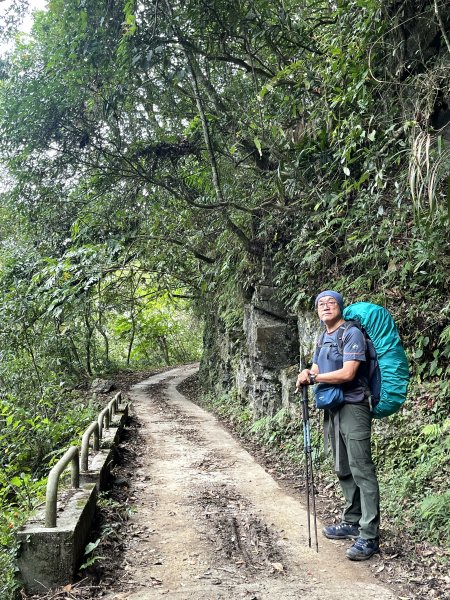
[
  {"x": 377, "y": 322},
  {"x": 380, "y": 327}
]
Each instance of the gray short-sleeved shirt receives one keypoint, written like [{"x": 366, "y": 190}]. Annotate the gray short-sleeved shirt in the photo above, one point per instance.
[{"x": 328, "y": 358}]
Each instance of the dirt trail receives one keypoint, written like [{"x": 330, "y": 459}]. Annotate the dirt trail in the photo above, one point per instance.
[{"x": 212, "y": 524}]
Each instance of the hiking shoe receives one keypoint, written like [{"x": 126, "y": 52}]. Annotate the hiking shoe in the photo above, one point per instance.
[
  {"x": 363, "y": 549},
  {"x": 342, "y": 531}
]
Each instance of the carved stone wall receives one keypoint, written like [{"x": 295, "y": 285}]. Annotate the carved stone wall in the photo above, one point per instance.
[
  {"x": 271, "y": 346},
  {"x": 258, "y": 365}
]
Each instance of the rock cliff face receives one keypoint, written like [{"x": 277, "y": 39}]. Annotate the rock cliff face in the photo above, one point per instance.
[{"x": 258, "y": 364}]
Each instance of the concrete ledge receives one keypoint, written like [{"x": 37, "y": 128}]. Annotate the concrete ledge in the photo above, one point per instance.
[
  {"x": 50, "y": 556},
  {"x": 101, "y": 462},
  {"x": 99, "y": 469}
]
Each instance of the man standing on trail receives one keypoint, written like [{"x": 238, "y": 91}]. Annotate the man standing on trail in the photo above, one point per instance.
[{"x": 354, "y": 465}]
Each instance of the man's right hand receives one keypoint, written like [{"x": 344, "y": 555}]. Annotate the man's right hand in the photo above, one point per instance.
[{"x": 303, "y": 378}]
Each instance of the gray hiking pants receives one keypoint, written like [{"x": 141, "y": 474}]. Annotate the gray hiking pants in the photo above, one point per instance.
[{"x": 356, "y": 470}]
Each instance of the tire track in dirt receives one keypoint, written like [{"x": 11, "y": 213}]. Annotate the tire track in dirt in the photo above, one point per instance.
[{"x": 212, "y": 524}]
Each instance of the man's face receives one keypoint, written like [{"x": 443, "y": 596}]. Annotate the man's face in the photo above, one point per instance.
[{"x": 328, "y": 309}]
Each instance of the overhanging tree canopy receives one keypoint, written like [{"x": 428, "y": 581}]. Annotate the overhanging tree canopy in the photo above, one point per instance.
[{"x": 207, "y": 139}]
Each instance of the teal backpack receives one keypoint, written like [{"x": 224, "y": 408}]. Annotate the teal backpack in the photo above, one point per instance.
[{"x": 389, "y": 384}]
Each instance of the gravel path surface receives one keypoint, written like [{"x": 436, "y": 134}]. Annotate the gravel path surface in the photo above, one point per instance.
[{"x": 211, "y": 523}]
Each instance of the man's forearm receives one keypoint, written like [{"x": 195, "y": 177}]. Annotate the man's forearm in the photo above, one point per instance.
[{"x": 347, "y": 373}]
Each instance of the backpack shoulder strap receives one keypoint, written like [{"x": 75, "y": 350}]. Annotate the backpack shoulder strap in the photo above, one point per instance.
[
  {"x": 319, "y": 342},
  {"x": 343, "y": 332}
]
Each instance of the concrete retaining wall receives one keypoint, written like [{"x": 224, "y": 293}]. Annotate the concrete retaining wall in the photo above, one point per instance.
[{"x": 50, "y": 556}]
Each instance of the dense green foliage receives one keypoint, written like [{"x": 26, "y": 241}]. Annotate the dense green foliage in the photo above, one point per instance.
[{"x": 163, "y": 155}]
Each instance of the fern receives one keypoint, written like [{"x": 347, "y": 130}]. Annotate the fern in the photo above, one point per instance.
[{"x": 434, "y": 510}]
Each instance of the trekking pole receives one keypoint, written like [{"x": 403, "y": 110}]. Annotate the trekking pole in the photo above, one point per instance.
[{"x": 309, "y": 472}]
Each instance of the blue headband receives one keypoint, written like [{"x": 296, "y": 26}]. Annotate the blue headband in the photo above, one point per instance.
[{"x": 336, "y": 295}]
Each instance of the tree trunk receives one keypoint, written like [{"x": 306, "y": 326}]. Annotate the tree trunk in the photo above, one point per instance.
[
  {"x": 130, "y": 345},
  {"x": 89, "y": 330},
  {"x": 162, "y": 342}
]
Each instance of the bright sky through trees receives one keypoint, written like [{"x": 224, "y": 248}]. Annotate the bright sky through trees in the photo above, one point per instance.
[{"x": 6, "y": 6}]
